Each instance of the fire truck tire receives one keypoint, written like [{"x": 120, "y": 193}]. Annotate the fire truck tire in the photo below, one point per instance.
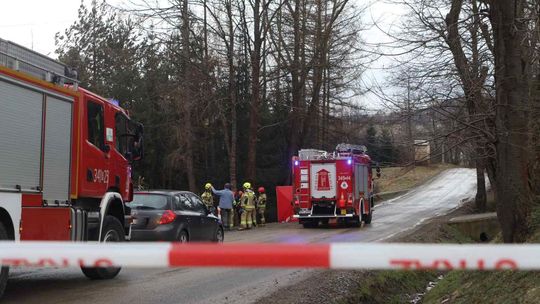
[
  {"x": 356, "y": 222},
  {"x": 310, "y": 224},
  {"x": 4, "y": 271},
  {"x": 112, "y": 232},
  {"x": 367, "y": 217}
]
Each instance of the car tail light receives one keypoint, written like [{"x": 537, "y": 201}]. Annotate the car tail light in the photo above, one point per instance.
[{"x": 167, "y": 217}]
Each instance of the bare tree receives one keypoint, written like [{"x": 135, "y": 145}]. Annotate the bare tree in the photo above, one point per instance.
[{"x": 514, "y": 197}]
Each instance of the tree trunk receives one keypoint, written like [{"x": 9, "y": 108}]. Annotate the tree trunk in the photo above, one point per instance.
[
  {"x": 514, "y": 199},
  {"x": 295, "y": 70},
  {"x": 232, "y": 97},
  {"x": 472, "y": 77},
  {"x": 310, "y": 127},
  {"x": 255, "y": 94},
  {"x": 480, "y": 200},
  {"x": 187, "y": 99},
  {"x": 410, "y": 136}
]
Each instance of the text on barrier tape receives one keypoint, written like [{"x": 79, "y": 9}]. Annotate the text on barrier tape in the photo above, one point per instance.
[{"x": 333, "y": 256}]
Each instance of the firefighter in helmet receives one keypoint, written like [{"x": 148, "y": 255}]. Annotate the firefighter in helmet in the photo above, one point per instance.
[
  {"x": 261, "y": 204},
  {"x": 207, "y": 197},
  {"x": 237, "y": 209},
  {"x": 247, "y": 204}
]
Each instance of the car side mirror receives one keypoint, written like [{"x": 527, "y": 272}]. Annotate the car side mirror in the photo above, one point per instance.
[
  {"x": 378, "y": 172},
  {"x": 211, "y": 210},
  {"x": 107, "y": 148}
]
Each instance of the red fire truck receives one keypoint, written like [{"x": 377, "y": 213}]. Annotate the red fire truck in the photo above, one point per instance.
[
  {"x": 333, "y": 187},
  {"x": 65, "y": 157}
]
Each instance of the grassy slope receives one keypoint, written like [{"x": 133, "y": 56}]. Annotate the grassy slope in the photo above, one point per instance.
[
  {"x": 490, "y": 286},
  {"x": 456, "y": 286},
  {"x": 486, "y": 287},
  {"x": 391, "y": 286},
  {"x": 403, "y": 178},
  {"x": 402, "y": 286}
]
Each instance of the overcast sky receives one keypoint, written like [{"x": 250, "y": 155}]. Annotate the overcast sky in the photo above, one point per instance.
[{"x": 33, "y": 23}]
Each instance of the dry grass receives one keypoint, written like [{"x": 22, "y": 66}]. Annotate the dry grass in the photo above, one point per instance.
[{"x": 403, "y": 178}]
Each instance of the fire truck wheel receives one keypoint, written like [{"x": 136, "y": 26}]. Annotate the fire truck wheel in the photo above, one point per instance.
[
  {"x": 367, "y": 217},
  {"x": 356, "y": 222},
  {"x": 4, "y": 271},
  {"x": 112, "y": 232},
  {"x": 310, "y": 224}
]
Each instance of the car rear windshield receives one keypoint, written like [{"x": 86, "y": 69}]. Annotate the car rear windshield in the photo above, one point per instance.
[{"x": 150, "y": 202}]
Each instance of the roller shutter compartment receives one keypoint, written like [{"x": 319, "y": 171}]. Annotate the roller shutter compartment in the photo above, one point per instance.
[
  {"x": 20, "y": 136},
  {"x": 57, "y": 150}
]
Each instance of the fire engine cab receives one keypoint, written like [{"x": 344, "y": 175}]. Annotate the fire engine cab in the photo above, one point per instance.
[
  {"x": 65, "y": 156},
  {"x": 333, "y": 187}
]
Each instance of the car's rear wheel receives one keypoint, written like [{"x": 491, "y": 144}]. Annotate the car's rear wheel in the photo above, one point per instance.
[
  {"x": 4, "y": 271},
  {"x": 112, "y": 232},
  {"x": 220, "y": 236},
  {"x": 183, "y": 237}
]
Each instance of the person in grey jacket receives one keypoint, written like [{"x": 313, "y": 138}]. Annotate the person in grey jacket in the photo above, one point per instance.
[{"x": 226, "y": 199}]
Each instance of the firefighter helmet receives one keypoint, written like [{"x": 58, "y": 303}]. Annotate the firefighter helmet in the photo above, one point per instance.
[
  {"x": 261, "y": 189},
  {"x": 247, "y": 185},
  {"x": 208, "y": 186}
]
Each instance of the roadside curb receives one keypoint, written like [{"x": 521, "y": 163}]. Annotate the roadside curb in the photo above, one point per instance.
[{"x": 384, "y": 196}]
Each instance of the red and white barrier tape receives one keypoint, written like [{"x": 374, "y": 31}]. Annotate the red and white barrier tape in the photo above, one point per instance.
[{"x": 333, "y": 256}]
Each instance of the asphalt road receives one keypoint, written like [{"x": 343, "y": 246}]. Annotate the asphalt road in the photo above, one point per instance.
[{"x": 215, "y": 285}]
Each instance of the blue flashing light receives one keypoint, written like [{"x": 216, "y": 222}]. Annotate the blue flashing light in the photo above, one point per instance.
[
  {"x": 349, "y": 161},
  {"x": 114, "y": 102},
  {"x": 296, "y": 163}
]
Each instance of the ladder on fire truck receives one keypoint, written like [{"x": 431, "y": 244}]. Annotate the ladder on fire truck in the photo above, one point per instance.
[
  {"x": 24, "y": 60},
  {"x": 342, "y": 150}
]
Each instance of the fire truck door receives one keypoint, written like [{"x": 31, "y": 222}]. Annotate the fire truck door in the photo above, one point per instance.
[
  {"x": 96, "y": 157},
  {"x": 120, "y": 154}
]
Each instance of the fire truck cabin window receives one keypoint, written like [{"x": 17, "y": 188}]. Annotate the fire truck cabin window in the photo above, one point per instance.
[
  {"x": 121, "y": 135},
  {"x": 96, "y": 129}
]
